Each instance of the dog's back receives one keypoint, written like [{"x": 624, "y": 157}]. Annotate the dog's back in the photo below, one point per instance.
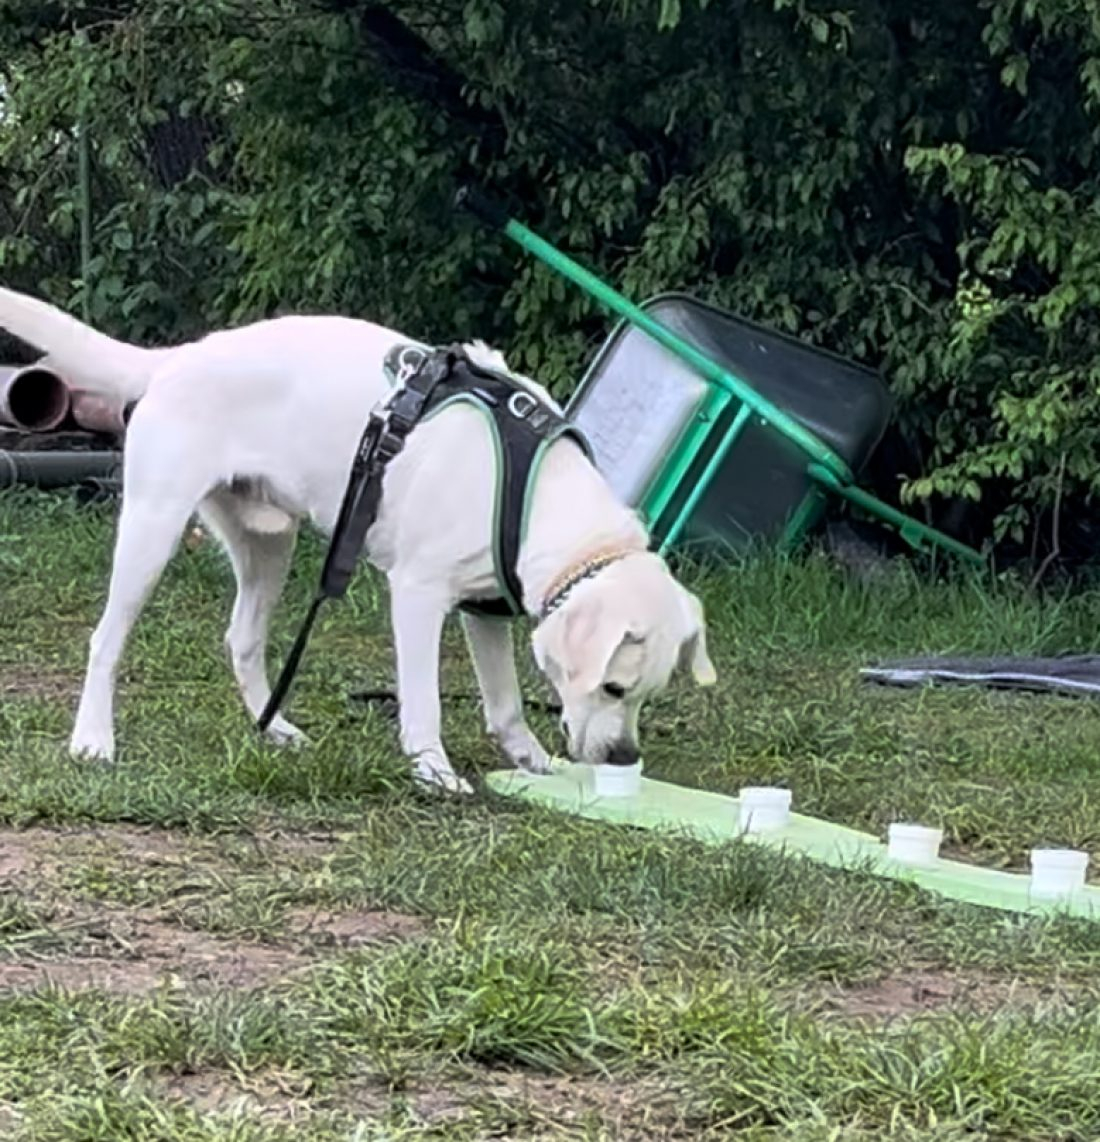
[{"x": 278, "y": 406}]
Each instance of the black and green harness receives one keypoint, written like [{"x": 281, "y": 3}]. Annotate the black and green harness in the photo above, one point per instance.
[{"x": 426, "y": 381}]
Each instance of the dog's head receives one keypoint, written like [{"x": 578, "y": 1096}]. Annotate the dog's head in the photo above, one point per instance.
[{"x": 616, "y": 639}]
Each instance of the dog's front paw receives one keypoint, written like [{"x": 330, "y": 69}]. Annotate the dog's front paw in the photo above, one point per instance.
[
  {"x": 92, "y": 747},
  {"x": 284, "y": 733},
  {"x": 524, "y": 750},
  {"x": 432, "y": 768}
]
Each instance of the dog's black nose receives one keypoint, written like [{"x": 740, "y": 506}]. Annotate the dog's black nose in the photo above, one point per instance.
[{"x": 622, "y": 753}]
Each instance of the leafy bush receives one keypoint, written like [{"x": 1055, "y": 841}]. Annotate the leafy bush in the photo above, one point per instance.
[{"x": 914, "y": 185}]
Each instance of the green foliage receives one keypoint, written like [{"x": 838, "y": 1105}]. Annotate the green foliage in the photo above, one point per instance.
[{"x": 914, "y": 185}]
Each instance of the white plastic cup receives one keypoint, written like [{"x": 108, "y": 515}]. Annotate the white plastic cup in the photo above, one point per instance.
[
  {"x": 617, "y": 780},
  {"x": 764, "y": 808},
  {"x": 913, "y": 844},
  {"x": 1057, "y": 873}
]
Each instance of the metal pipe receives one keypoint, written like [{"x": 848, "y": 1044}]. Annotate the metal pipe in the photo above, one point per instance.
[
  {"x": 32, "y": 397},
  {"x": 96, "y": 413},
  {"x": 57, "y": 469}
]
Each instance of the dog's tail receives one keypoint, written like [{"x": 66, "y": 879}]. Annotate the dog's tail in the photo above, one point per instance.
[{"x": 86, "y": 358}]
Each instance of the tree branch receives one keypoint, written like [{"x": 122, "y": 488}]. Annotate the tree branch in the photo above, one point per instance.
[
  {"x": 415, "y": 66},
  {"x": 1056, "y": 527}
]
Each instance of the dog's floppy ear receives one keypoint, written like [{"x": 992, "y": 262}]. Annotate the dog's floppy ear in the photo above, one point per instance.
[
  {"x": 693, "y": 649},
  {"x": 578, "y": 642}
]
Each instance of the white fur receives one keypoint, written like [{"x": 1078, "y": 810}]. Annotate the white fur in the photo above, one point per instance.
[{"x": 255, "y": 428}]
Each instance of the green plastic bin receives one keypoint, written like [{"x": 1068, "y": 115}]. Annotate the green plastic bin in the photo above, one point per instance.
[
  {"x": 741, "y": 432},
  {"x": 642, "y": 407}
]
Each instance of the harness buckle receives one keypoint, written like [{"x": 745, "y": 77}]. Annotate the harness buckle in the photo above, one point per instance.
[
  {"x": 388, "y": 445},
  {"x": 404, "y": 409},
  {"x": 409, "y": 362}
]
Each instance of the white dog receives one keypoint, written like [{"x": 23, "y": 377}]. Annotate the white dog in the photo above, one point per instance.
[{"x": 255, "y": 428}]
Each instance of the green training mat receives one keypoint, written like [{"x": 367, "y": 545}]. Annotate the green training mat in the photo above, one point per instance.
[{"x": 714, "y": 817}]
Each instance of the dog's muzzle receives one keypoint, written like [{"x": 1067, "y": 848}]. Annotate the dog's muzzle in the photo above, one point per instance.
[{"x": 622, "y": 753}]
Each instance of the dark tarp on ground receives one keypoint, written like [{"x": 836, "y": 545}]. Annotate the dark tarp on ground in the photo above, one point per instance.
[{"x": 1068, "y": 674}]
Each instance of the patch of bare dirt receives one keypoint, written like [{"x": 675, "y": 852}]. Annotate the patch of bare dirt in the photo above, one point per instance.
[
  {"x": 146, "y": 845},
  {"x": 313, "y": 845},
  {"x": 44, "y": 682},
  {"x": 28, "y": 850},
  {"x": 22, "y": 849},
  {"x": 17, "y": 853},
  {"x": 637, "y": 1111},
  {"x": 119, "y": 976},
  {"x": 258, "y": 1096},
  {"x": 10, "y": 1118},
  {"x": 900, "y": 996},
  {"x": 529, "y": 1105},
  {"x": 277, "y": 1096},
  {"x": 131, "y": 950},
  {"x": 146, "y": 952},
  {"x": 25, "y": 850},
  {"x": 354, "y": 929}
]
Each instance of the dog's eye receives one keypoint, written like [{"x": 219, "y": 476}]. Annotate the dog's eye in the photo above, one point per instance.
[{"x": 614, "y": 690}]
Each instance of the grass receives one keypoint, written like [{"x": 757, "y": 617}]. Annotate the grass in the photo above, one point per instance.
[{"x": 214, "y": 939}]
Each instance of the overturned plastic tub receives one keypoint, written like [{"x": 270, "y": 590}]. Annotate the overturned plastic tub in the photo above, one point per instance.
[
  {"x": 58, "y": 469},
  {"x": 33, "y": 398}
]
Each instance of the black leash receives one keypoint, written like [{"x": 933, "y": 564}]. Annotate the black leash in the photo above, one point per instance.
[{"x": 384, "y": 437}]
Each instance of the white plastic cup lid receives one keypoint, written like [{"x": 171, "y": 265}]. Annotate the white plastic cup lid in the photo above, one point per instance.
[
  {"x": 1060, "y": 858},
  {"x": 618, "y": 779},
  {"x": 906, "y": 832},
  {"x": 765, "y": 795}
]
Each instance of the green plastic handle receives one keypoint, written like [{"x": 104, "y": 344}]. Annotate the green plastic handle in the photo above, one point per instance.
[
  {"x": 918, "y": 535},
  {"x": 818, "y": 452}
]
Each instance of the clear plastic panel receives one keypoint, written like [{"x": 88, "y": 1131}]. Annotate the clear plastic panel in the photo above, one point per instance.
[{"x": 633, "y": 405}]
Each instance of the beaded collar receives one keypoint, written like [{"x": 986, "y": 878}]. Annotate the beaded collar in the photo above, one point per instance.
[{"x": 561, "y": 588}]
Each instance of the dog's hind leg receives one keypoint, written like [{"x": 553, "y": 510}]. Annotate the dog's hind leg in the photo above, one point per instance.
[
  {"x": 260, "y": 561},
  {"x": 493, "y": 654},
  {"x": 149, "y": 529}
]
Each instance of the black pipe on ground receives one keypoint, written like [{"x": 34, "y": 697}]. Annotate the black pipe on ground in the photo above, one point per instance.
[{"x": 58, "y": 469}]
